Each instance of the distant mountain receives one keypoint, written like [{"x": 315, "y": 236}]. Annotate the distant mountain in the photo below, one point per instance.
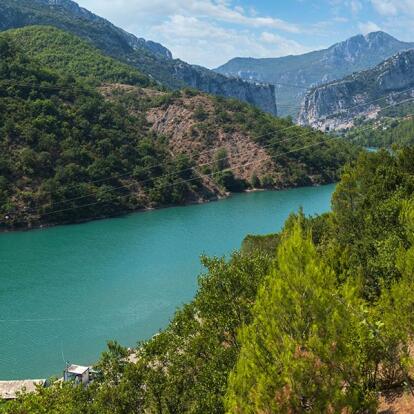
[
  {"x": 311, "y": 69},
  {"x": 360, "y": 96},
  {"x": 149, "y": 57}
]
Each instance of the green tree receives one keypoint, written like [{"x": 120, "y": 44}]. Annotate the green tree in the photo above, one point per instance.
[{"x": 297, "y": 355}]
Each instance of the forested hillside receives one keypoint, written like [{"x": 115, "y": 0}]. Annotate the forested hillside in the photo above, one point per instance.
[
  {"x": 384, "y": 133},
  {"x": 320, "y": 322},
  {"x": 72, "y": 152},
  {"x": 68, "y": 155},
  {"x": 65, "y": 53}
]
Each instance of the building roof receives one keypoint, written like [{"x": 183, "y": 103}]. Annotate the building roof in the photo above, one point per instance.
[
  {"x": 10, "y": 389},
  {"x": 77, "y": 369}
]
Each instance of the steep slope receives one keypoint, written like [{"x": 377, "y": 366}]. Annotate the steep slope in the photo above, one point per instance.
[
  {"x": 67, "y": 155},
  {"x": 149, "y": 57},
  {"x": 336, "y": 105},
  {"x": 69, "y": 54},
  {"x": 311, "y": 69},
  {"x": 221, "y": 135},
  {"x": 70, "y": 153}
]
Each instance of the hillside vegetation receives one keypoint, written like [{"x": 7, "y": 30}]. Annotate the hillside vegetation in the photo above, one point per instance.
[
  {"x": 65, "y": 53},
  {"x": 262, "y": 151},
  {"x": 68, "y": 155},
  {"x": 320, "y": 323},
  {"x": 384, "y": 133},
  {"x": 71, "y": 152}
]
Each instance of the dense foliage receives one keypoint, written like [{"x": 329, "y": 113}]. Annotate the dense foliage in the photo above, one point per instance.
[
  {"x": 148, "y": 57},
  {"x": 68, "y": 54},
  {"x": 101, "y": 33},
  {"x": 66, "y": 154},
  {"x": 385, "y": 133},
  {"x": 296, "y": 156},
  {"x": 69, "y": 154},
  {"x": 323, "y": 325},
  {"x": 303, "y": 156}
]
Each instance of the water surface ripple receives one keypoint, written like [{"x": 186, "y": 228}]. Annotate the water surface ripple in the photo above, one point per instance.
[{"x": 65, "y": 291}]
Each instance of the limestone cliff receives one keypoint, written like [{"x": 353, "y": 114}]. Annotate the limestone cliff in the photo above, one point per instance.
[
  {"x": 293, "y": 75},
  {"x": 336, "y": 105}
]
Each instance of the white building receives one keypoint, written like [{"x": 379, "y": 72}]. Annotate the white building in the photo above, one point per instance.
[{"x": 77, "y": 374}]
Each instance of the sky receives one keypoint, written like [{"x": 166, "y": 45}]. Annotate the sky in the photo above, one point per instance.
[{"x": 211, "y": 32}]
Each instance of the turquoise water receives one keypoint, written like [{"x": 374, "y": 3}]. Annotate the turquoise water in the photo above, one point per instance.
[{"x": 65, "y": 291}]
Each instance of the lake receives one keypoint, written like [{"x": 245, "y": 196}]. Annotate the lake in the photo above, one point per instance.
[{"x": 65, "y": 291}]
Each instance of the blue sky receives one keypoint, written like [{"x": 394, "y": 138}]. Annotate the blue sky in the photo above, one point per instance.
[{"x": 210, "y": 32}]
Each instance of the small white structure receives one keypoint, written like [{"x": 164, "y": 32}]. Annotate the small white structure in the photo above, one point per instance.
[
  {"x": 9, "y": 390},
  {"x": 77, "y": 374}
]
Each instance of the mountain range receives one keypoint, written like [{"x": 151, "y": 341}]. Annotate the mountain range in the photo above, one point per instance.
[
  {"x": 149, "y": 57},
  {"x": 293, "y": 75},
  {"x": 255, "y": 81}
]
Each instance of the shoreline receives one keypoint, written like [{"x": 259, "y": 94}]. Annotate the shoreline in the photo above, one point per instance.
[{"x": 149, "y": 209}]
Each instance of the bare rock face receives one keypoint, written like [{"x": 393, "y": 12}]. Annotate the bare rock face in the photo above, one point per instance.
[
  {"x": 337, "y": 104},
  {"x": 177, "y": 121},
  {"x": 149, "y": 57},
  {"x": 256, "y": 93}
]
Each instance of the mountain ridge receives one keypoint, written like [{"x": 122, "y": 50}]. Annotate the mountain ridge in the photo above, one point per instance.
[
  {"x": 313, "y": 68},
  {"x": 149, "y": 57}
]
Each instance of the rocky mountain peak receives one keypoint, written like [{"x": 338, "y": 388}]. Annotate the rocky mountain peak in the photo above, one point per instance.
[
  {"x": 380, "y": 36},
  {"x": 315, "y": 68}
]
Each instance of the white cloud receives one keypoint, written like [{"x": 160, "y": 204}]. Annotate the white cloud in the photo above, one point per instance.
[
  {"x": 396, "y": 17},
  {"x": 356, "y": 6},
  {"x": 282, "y": 46},
  {"x": 204, "y": 32},
  {"x": 220, "y": 10},
  {"x": 202, "y": 42},
  {"x": 393, "y": 7},
  {"x": 368, "y": 27}
]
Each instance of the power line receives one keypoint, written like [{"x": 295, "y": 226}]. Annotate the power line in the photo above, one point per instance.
[
  {"x": 193, "y": 179},
  {"x": 202, "y": 165},
  {"x": 181, "y": 171},
  {"x": 212, "y": 174},
  {"x": 207, "y": 151}
]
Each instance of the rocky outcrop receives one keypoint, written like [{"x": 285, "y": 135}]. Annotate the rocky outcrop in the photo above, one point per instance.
[
  {"x": 151, "y": 58},
  {"x": 256, "y": 93},
  {"x": 291, "y": 73},
  {"x": 176, "y": 120},
  {"x": 362, "y": 95}
]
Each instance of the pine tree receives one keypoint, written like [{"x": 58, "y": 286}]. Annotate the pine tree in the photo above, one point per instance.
[{"x": 297, "y": 355}]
